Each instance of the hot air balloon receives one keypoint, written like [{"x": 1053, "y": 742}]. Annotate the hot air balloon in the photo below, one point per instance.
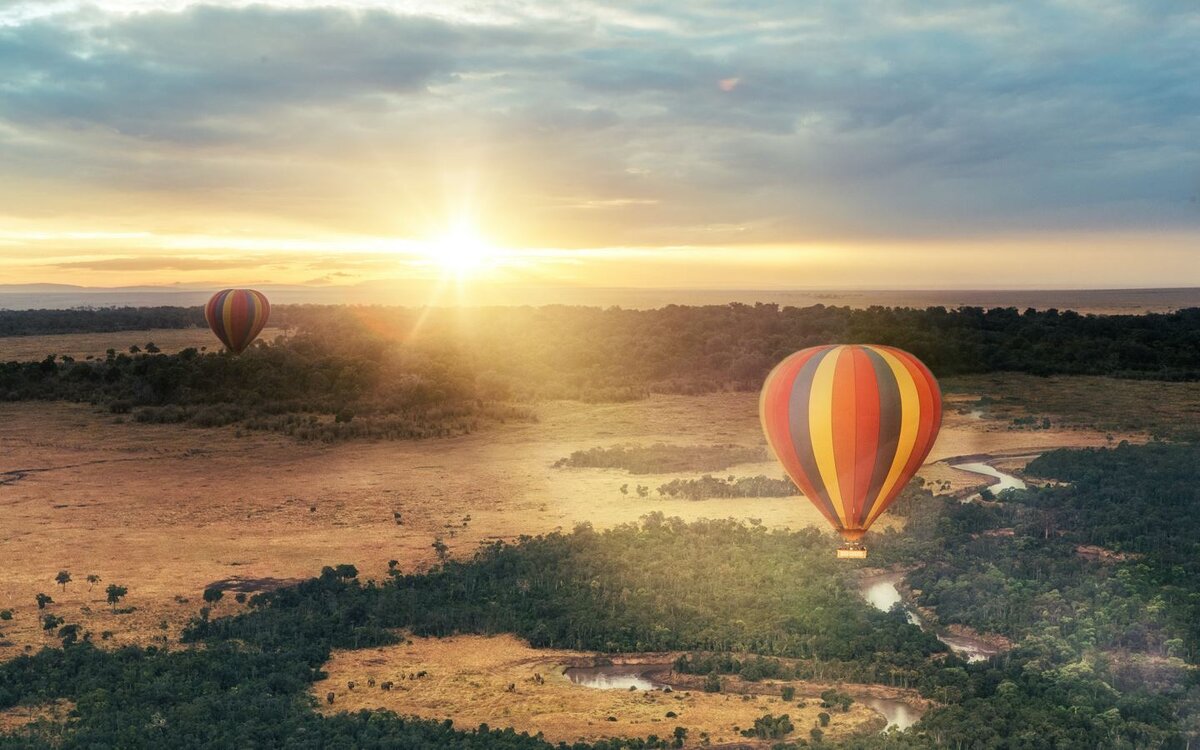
[
  {"x": 851, "y": 425},
  {"x": 237, "y": 316}
]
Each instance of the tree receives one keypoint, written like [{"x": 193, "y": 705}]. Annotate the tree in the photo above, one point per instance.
[
  {"x": 115, "y": 593},
  {"x": 69, "y": 634},
  {"x": 63, "y": 578},
  {"x": 92, "y": 580},
  {"x": 151, "y": 348},
  {"x": 134, "y": 349},
  {"x": 712, "y": 682},
  {"x": 212, "y": 595},
  {"x": 50, "y": 622},
  {"x": 440, "y": 549},
  {"x": 788, "y": 692},
  {"x": 680, "y": 735},
  {"x": 43, "y": 600}
]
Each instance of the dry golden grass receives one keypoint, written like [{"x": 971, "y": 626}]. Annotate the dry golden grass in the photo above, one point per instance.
[
  {"x": 16, "y": 718},
  {"x": 80, "y": 345},
  {"x": 468, "y": 679},
  {"x": 1116, "y": 406},
  {"x": 168, "y": 509}
]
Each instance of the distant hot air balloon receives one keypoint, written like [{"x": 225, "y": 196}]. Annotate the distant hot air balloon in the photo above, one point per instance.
[
  {"x": 851, "y": 425},
  {"x": 237, "y": 316}
]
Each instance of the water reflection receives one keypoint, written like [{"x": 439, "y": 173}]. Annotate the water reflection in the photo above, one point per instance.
[
  {"x": 881, "y": 592},
  {"x": 615, "y": 677},
  {"x": 1006, "y": 481},
  {"x": 898, "y": 713}
]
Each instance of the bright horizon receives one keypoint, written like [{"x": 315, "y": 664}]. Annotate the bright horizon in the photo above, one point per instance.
[{"x": 164, "y": 142}]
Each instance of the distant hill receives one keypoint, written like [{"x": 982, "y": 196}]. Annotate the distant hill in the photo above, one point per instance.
[{"x": 416, "y": 294}]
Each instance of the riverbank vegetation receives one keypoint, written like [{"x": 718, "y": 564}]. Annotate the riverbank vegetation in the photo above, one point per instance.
[
  {"x": 661, "y": 458},
  {"x": 707, "y": 487},
  {"x": 710, "y": 587},
  {"x": 1106, "y": 559}
]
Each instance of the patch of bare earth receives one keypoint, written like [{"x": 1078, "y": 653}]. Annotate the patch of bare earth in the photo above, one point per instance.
[
  {"x": 503, "y": 682},
  {"x": 14, "y": 720}
]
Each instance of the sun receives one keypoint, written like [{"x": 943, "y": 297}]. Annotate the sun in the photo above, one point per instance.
[{"x": 462, "y": 251}]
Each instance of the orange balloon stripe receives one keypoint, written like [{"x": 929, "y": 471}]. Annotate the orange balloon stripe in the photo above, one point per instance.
[
  {"x": 866, "y": 430},
  {"x": 844, "y": 435}
]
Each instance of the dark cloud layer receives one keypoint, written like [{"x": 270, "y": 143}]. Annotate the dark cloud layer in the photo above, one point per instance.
[{"x": 775, "y": 121}]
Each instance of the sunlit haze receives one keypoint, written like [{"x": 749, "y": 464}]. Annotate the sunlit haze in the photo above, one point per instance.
[{"x": 711, "y": 145}]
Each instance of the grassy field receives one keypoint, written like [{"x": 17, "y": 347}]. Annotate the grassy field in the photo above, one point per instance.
[
  {"x": 1168, "y": 410},
  {"x": 83, "y": 345},
  {"x": 468, "y": 677},
  {"x": 168, "y": 510}
]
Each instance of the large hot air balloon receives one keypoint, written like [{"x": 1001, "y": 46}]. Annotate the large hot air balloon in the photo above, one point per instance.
[
  {"x": 851, "y": 425},
  {"x": 237, "y": 316}
]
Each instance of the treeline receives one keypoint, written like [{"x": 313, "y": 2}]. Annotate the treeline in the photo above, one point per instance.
[
  {"x": 97, "y": 320},
  {"x": 615, "y": 354},
  {"x": 713, "y": 487},
  {"x": 315, "y": 386},
  {"x": 579, "y": 352},
  {"x": 661, "y": 458},
  {"x": 393, "y": 372}
]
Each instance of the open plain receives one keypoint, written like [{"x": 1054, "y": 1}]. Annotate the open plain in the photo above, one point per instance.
[{"x": 168, "y": 510}]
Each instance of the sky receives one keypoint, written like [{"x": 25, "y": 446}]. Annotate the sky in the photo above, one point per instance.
[{"x": 855, "y": 145}]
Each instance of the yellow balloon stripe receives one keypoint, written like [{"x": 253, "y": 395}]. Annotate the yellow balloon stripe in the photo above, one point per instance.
[
  {"x": 910, "y": 420},
  {"x": 820, "y": 426},
  {"x": 227, "y": 319},
  {"x": 255, "y": 310}
]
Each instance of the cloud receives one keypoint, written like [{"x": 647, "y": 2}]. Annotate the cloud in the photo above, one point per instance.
[
  {"x": 835, "y": 121},
  {"x": 167, "y": 263}
]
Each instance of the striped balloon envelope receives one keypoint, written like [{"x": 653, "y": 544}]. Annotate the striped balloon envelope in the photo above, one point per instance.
[
  {"x": 237, "y": 316},
  {"x": 851, "y": 425}
]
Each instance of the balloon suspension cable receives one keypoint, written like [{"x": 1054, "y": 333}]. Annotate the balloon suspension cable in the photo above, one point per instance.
[{"x": 852, "y": 551}]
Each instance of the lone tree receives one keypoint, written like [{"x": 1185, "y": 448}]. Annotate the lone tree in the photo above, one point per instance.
[
  {"x": 63, "y": 578},
  {"x": 680, "y": 736},
  {"x": 92, "y": 580},
  {"x": 43, "y": 600},
  {"x": 69, "y": 634},
  {"x": 212, "y": 595},
  {"x": 115, "y": 594},
  {"x": 440, "y": 549}
]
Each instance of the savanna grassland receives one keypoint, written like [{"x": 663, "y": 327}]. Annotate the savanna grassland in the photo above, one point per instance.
[{"x": 361, "y": 440}]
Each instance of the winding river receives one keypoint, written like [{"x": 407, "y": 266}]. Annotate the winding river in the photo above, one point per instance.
[
  {"x": 998, "y": 481},
  {"x": 880, "y": 591}
]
